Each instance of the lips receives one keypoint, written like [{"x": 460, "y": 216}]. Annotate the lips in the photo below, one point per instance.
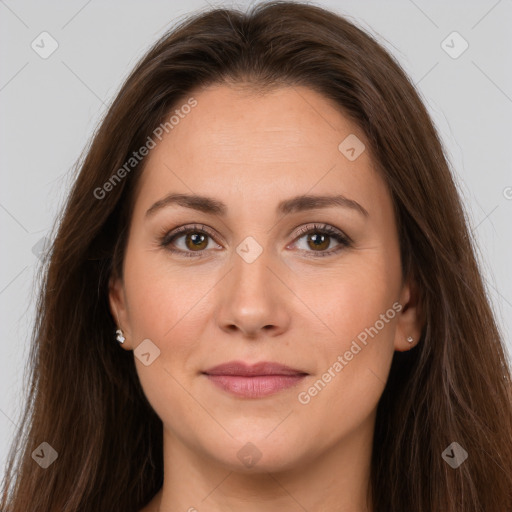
[
  {"x": 242, "y": 369},
  {"x": 253, "y": 381}
]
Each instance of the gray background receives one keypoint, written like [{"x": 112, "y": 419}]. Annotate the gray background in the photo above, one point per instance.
[{"x": 50, "y": 107}]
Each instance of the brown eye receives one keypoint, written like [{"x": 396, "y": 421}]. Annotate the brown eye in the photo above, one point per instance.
[
  {"x": 320, "y": 237},
  {"x": 191, "y": 241},
  {"x": 318, "y": 241},
  {"x": 196, "y": 241}
]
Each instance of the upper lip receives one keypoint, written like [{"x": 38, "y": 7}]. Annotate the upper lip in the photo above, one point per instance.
[{"x": 242, "y": 369}]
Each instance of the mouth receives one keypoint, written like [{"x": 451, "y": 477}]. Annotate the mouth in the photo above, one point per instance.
[{"x": 254, "y": 381}]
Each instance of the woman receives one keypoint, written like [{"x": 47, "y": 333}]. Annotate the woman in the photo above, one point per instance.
[{"x": 263, "y": 293}]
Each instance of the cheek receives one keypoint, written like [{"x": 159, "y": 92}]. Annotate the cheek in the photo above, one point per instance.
[
  {"x": 359, "y": 326},
  {"x": 160, "y": 296},
  {"x": 165, "y": 306},
  {"x": 360, "y": 338},
  {"x": 352, "y": 371},
  {"x": 351, "y": 298},
  {"x": 170, "y": 306}
]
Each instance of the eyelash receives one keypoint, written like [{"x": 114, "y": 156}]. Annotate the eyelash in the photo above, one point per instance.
[{"x": 323, "y": 229}]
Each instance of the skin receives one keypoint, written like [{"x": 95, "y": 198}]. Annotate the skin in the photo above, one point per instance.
[{"x": 289, "y": 305}]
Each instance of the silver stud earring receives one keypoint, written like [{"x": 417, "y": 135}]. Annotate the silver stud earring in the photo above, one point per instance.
[
  {"x": 410, "y": 339},
  {"x": 120, "y": 336}
]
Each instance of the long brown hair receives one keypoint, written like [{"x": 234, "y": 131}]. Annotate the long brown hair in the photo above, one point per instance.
[{"x": 85, "y": 399}]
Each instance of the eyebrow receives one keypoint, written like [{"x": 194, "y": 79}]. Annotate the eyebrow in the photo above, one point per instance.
[{"x": 295, "y": 204}]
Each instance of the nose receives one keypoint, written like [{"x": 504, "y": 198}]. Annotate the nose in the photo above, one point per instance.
[{"x": 254, "y": 301}]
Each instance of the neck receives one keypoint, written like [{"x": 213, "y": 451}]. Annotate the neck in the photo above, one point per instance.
[{"x": 337, "y": 479}]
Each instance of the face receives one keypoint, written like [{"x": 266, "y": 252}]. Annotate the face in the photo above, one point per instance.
[{"x": 252, "y": 274}]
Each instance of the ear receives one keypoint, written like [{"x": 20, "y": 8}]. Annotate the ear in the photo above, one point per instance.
[
  {"x": 410, "y": 317},
  {"x": 119, "y": 309}
]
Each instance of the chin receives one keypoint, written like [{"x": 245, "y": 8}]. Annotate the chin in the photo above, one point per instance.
[{"x": 261, "y": 452}]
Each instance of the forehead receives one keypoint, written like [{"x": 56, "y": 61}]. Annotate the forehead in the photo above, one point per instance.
[{"x": 281, "y": 143}]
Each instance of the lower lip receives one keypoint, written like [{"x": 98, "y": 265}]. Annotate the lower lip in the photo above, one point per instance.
[{"x": 254, "y": 387}]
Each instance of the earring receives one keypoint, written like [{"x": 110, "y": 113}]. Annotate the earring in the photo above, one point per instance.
[
  {"x": 120, "y": 336},
  {"x": 410, "y": 339}
]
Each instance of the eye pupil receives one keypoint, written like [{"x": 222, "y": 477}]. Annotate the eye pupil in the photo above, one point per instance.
[
  {"x": 196, "y": 239},
  {"x": 319, "y": 241}
]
